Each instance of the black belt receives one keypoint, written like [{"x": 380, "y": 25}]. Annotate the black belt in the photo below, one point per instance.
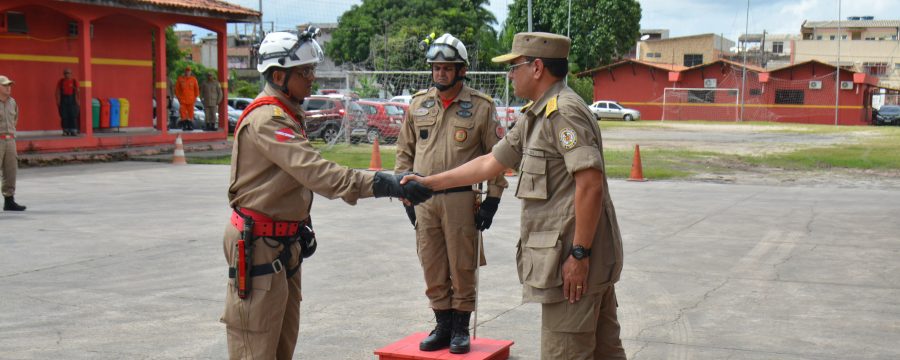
[{"x": 454, "y": 190}]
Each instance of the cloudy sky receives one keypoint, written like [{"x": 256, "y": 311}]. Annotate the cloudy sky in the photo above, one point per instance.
[{"x": 681, "y": 17}]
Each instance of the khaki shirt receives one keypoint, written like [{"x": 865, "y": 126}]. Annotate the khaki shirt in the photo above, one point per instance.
[
  {"x": 275, "y": 170},
  {"x": 434, "y": 139},
  {"x": 211, "y": 93},
  {"x": 558, "y": 137},
  {"x": 9, "y": 116}
]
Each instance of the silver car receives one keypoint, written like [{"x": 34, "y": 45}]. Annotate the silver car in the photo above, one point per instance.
[{"x": 612, "y": 110}]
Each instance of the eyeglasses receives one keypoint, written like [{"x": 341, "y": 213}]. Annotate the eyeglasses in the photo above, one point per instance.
[
  {"x": 306, "y": 71},
  {"x": 513, "y": 67}
]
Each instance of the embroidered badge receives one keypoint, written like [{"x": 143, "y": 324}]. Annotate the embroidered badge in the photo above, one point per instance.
[
  {"x": 500, "y": 131},
  {"x": 460, "y": 135},
  {"x": 465, "y": 105},
  {"x": 276, "y": 111},
  {"x": 567, "y": 138},
  {"x": 284, "y": 134},
  {"x": 428, "y": 103},
  {"x": 423, "y": 134},
  {"x": 421, "y": 112},
  {"x": 464, "y": 113}
]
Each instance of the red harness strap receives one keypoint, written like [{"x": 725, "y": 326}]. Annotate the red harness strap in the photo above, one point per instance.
[
  {"x": 264, "y": 226},
  {"x": 268, "y": 100}
]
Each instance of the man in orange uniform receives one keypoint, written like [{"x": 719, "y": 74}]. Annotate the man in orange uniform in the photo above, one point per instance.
[{"x": 187, "y": 90}]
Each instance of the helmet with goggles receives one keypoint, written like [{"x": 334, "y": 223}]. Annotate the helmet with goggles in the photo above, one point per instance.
[
  {"x": 287, "y": 50},
  {"x": 447, "y": 49}
]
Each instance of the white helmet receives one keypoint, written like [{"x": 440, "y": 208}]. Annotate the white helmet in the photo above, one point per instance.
[
  {"x": 447, "y": 49},
  {"x": 287, "y": 50}
]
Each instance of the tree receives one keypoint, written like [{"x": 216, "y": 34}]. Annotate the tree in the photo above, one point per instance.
[
  {"x": 602, "y": 30},
  {"x": 360, "y": 35}
]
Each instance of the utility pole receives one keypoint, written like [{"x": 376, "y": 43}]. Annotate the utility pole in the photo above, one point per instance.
[
  {"x": 837, "y": 74},
  {"x": 529, "y": 16},
  {"x": 262, "y": 34},
  {"x": 744, "y": 73},
  {"x": 762, "y": 51}
]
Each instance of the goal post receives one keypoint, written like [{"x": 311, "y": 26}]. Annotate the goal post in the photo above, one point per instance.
[{"x": 707, "y": 104}]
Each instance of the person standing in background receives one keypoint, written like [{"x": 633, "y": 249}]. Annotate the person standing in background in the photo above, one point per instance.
[
  {"x": 67, "y": 103},
  {"x": 187, "y": 90},
  {"x": 211, "y": 95},
  {"x": 9, "y": 116}
]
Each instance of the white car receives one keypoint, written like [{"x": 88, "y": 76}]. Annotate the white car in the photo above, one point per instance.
[
  {"x": 612, "y": 110},
  {"x": 507, "y": 115},
  {"x": 406, "y": 99}
]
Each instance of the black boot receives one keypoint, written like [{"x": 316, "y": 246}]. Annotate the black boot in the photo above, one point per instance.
[
  {"x": 440, "y": 336},
  {"x": 460, "y": 342},
  {"x": 9, "y": 204}
]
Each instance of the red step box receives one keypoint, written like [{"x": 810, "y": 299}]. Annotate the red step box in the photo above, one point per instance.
[{"x": 408, "y": 349}]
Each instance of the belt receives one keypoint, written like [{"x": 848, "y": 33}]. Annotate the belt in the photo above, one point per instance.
[
  {"x": 263, "y": 225},
  {"x": 454, "y": 190},
  {"x": 7, "y": 136}
]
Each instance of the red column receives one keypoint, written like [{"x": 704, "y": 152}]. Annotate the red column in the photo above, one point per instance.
[
  {"x": 86, "y": 84},
  {"x": 221, "y": 46},
  {"x": 160, "y": 81}
]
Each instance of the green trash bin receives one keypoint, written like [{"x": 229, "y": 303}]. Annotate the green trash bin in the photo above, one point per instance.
[{"x": 95, "y": 112}]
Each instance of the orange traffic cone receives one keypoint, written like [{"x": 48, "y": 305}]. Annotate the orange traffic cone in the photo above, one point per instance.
[
  {"x": 637, "y": 172},
  {"x": 375, "y": 163},
  {"x": 178, "y": 157}
]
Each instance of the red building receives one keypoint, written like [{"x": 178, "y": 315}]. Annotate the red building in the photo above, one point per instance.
[
  {"x": 113, "y": 48},
  {"x": 800, "y": 93}
]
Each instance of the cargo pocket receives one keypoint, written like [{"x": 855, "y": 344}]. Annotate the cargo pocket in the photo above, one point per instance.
[
  {"x": 424, "y": 128},
  {"x": 533, "y": 179},
  {"x": 463, "y": 132},
  {"x": 540, "y": 260},
  {"x": 254, "y": 313}
]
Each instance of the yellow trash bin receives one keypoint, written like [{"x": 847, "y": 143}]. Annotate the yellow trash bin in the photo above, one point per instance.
[{"x": 123, "y": 112}]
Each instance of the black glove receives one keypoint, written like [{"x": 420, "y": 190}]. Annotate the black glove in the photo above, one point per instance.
[
  {"x": 485, "y": 214},
  {"x": 389, "y": 185},
  {"x": 411, "y": 214}
]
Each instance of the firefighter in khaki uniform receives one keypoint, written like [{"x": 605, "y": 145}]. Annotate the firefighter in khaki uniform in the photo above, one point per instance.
[
  {"x": 274, "y": 173},
  {"x": 570, "y": 250},
  {"x": 446, "y": 126}
]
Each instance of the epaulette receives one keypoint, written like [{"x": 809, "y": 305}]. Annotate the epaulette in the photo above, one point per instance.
[
  {"x": 483, "y": 96},
  {"x": 551, "y": 107},
  {"x": 421, "y": 92},
  {"x": 277, "y": 112}
]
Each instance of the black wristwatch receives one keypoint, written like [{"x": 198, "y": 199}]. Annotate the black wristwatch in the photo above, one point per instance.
[{"x": 579, "y": 252}]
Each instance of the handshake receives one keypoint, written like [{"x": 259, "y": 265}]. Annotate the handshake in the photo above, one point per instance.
[{"x": 389, "y": 185}]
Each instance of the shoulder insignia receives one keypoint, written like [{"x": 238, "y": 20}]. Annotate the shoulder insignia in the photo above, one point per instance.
[
  {"x": 483, "y": 96},
  {"x": 421, "y": 92},
  {"x": 277, "y": 112},
  {"x": 552, "y": 106},
  {"x": 525, "y": 108},
  {"x": 567, "y": 138}
]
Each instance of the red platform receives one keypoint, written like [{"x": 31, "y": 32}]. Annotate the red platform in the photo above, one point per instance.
[{"x": 408, "y": 348}]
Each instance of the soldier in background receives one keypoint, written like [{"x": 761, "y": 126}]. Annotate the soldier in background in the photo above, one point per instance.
[
  {"x": 274, "y": 173},
  {"x": 570, "y": 250},
  {"x": 9, "y": 162},
  {"x": 186, "y": 91},
  {"x": 446, "y": 126},
  {"x": 211, "y": 95}
]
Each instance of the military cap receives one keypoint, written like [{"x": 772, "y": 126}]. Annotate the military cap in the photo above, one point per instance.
[
  {"x": 537, "y": 44},
  {"x": 5, "y": 80}
]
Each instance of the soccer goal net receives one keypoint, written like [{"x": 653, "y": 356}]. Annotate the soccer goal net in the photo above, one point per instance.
[
  {"x": 375, "y": 103},
  {"x": 709, "y": 104}
]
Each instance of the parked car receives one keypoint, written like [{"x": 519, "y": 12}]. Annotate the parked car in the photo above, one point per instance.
[
  {"x": 233, "y": 116},
  {"x": 383, "y": 120},
  {"x": 324, "y": 115},
  {"x": 612, "y": 110},
  {"x": 887, "y": 115},
  {"x": 239, "y": 103},
  {"x": 507, "y": 115},
  {"x": 406, "y": 99}
]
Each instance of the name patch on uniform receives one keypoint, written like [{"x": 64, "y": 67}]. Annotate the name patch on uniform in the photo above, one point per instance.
[
  {"x": 464, "y": 113},
  {"x": 465, "y": 105},
  {"x": 420, "y": 112},
  {"x": 460, "y": 135},
  {"x": 567, "y": 138},
  {"x": 500, "y": 131},
  {"x": 284, "y": 134},
  {"x": 428, "y": 103}
]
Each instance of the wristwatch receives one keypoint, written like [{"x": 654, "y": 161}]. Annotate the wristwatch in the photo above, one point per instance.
[{"x": 579, "y": 252}]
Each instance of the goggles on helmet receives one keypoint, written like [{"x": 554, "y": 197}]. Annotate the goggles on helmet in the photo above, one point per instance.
[{"x": 443, "y": 52}]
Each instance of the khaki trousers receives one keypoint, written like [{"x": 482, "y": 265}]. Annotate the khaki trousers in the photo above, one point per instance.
[
  {"x": 9, "y": 166},
  {"x": 212, "y": 115},
  {"x": 445, "y": 240},
  {"x": 266, "y": 324},
  {"x": 587, "y": 329}
]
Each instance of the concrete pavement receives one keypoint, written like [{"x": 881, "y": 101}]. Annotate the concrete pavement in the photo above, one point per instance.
[{"x": 124, "y": 261}]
